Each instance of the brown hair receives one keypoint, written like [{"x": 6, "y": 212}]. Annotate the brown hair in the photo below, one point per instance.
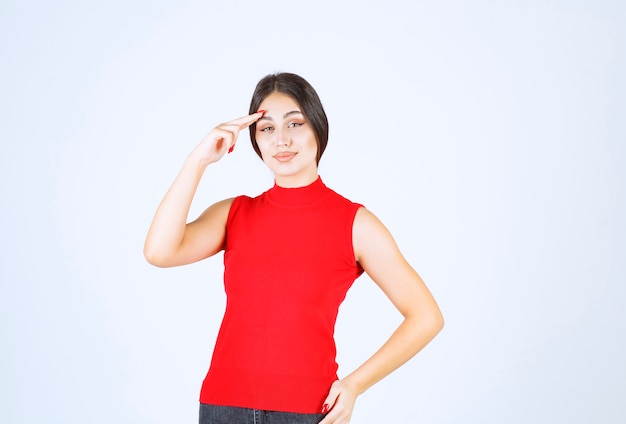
[{"x": 304, "y": 94}]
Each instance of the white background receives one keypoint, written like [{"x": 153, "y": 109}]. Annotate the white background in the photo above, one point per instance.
[{"x": 488, "y": 136}]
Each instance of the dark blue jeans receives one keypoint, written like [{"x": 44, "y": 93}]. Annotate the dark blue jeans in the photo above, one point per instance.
[{"x": 213, "y": 414}]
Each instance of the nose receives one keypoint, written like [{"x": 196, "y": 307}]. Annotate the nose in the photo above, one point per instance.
[{"x": 282, "y": 138}]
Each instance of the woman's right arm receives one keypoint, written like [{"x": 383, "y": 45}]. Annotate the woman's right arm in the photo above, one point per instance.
[{"x": 171, "y": 241}]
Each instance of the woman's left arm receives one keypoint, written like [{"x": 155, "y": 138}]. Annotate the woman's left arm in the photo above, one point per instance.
[{"x": 377, "y": 252}]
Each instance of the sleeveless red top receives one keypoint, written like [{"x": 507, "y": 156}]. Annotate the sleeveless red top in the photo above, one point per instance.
[{"x": 288, "y": 263}]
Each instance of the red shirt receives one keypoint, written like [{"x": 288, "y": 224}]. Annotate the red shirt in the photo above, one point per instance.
[{"x": 289, "y": 262}]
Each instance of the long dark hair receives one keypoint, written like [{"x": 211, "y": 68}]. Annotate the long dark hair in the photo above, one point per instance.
[{"x": 304, "y": 94}]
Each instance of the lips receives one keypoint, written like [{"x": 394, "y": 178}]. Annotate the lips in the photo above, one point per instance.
[{"x": 284, "y": 156}]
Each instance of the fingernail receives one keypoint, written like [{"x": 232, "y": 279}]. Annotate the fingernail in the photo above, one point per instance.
[
  {"x": 325, "y": 408},
  {"x": 260, "y": 111},
  {"x": 230, "y": 150}
]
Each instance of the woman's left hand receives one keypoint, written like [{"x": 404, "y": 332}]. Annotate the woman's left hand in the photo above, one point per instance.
[{"x": 340, "y": 402}]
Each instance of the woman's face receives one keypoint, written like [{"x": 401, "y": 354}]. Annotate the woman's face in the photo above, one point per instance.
[{"x": 287, "y": 141}]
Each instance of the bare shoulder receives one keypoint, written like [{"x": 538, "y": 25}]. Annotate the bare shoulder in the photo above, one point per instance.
[
  {"x": 370, "y": 236},
  {"x": 218, "y": 211},
  {"x": 364, "y": 218},
  {"x": 205, "y": 236},
  {"x": 213, "y": 219}
]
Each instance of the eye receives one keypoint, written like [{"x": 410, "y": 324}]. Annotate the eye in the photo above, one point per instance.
[
  {"x": 295, "y": 124},
  {"x": 265, "y": 129}
]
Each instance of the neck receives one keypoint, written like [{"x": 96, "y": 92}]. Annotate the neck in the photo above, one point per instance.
[
  {"x": 296, "y": 197},
  {"x": 295, "y": 181}
]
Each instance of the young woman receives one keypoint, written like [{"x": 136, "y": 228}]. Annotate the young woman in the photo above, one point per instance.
[{"x": 290, "y": 255}]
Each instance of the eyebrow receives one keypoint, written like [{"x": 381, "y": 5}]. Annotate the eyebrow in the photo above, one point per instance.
[{"x": 269, "y": 118}]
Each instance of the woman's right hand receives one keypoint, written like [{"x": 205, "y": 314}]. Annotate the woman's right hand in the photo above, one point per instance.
[
  {"x": 170, "y": 240},
  {"x": 222, "y": 139}
]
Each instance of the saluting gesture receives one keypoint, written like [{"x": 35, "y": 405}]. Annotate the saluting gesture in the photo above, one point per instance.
[{"x": 290, "y": 255}]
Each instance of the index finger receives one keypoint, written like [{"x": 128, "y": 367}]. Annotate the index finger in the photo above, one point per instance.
[{"x": 246, "y": 121}]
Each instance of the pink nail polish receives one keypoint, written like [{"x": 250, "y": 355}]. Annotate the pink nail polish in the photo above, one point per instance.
[
  {"x": 325, "y": 408},
  {"x": 230, "y": 150},
  {"x": 260, "y": 111}
]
